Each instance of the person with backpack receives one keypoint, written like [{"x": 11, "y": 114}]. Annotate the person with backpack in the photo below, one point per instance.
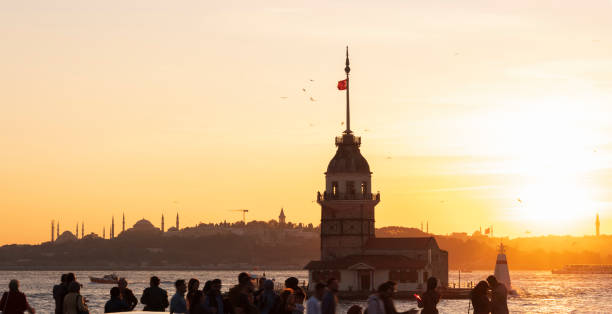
[
  {"x": 15, "y": 301},
  {"x": 74, "y": 302}
]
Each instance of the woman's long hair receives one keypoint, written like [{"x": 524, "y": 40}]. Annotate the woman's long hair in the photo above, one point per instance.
[
  {"x": 480, "y": 289},
  {"x": 432, "y": 283},
  {"x": 14, "y": 285}
]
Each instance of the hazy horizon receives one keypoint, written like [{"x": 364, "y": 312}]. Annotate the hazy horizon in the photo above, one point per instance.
[{"x": 154, "y": 107}]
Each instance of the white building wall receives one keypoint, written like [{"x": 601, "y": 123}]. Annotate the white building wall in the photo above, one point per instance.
[
  {"x": 348, "y": 280},
  {"x": 380, "y": 277}
]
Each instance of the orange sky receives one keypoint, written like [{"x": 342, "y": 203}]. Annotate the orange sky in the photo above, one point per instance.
[{"x": 150, "y": 107}]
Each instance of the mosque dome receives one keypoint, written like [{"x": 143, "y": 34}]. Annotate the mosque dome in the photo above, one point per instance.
[
  {"x": 66, "y": 236},
  {"x": 91, "y": 236},
  {"x": 348, "y": 158},
  {"x": 143, "y": 224}
]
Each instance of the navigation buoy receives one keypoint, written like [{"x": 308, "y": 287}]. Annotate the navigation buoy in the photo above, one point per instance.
[{"x": 502, "y": 274}]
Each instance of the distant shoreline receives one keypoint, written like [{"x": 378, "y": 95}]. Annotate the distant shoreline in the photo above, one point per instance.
[
  {"x": 139, "y": 268},
  {"x": 198, "y": 268}
]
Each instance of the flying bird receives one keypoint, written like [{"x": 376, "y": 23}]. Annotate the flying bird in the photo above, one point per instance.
[
  {"x": 311, "y": 80},
  {"x": 284, "y": 97},
  {"x": 312, "y": 99},
  {"x": 342, "y": 123},
  {"x": 303, "y": 89}
]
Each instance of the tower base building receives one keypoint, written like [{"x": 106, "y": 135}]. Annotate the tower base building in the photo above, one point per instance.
[{"x": 350, "y": 251}]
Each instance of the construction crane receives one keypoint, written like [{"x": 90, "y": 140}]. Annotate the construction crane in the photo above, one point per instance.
[{"x": 244, "y": 211}]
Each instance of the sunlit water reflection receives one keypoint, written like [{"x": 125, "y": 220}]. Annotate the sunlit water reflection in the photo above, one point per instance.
[{"x": 539, "y": 292}]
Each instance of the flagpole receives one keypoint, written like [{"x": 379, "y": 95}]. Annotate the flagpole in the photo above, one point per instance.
[{"x": 347, "y": 69}]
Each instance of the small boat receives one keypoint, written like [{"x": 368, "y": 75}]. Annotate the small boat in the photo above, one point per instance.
[{"x": 108, "y": 279}]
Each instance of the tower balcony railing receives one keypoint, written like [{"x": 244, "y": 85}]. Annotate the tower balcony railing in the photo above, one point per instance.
[
  {"x": 327, "y": 196},
  {"x": 350, "y": 139}
]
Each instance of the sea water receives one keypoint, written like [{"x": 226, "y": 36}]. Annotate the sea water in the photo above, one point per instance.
[{"x": 539, "y": 291}]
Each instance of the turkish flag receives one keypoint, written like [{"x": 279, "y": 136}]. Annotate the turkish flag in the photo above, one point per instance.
[
  {"x": 488, "y": 230},
  {"x": 342, "y": 85}
]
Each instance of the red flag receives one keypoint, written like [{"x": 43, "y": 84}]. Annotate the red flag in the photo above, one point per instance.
[
  {"x": 342, "y": 85},
  {"x": 488, "y": 230}
]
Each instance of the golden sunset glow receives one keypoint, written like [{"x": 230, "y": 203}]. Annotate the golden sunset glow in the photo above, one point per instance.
[{"x": 154, "y": 108}]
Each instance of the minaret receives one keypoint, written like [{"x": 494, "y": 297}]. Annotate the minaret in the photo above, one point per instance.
[
  {"x": 597, "y": 224},
  {"x": 162, "y": 226},
  {"x": 52, "y": 231},
  {"x": 427, "y": 226},
  {"x": 112, "y": 230},
  {"x": 123, "y": 224},
  {"x": 57, "y": 231},
  {"x": 103, "y": 232},
  {"x": 82, "y": 229},
  {"x": 77, "y": 231},
  {"x": 281, "y": 217},
  {"x": 177, "y": 222},
  {"x": 347, "y": 204}
]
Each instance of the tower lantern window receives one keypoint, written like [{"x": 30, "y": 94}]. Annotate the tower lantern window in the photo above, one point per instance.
[
  {"x": 334, "y": 188},
  {"x": 350, "y": 187}
]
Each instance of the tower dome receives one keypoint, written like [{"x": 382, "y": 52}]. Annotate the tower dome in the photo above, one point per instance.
[{"x": 348, "y": 158}]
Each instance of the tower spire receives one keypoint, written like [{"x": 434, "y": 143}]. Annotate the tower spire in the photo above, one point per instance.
[{"x": 347, "y": 69}]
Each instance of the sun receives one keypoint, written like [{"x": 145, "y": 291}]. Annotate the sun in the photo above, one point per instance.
[
  {"x": 555, "y": 200},
  {"x": 553, "y": 155}
]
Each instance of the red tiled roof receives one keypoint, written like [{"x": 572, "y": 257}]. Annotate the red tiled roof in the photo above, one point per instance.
[
  {"x": 401, "y": 243},
  {"x": 375, "y": 261}
]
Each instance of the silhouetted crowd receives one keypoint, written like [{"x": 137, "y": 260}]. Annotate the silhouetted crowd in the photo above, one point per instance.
[{"x": 249, "y": 296}]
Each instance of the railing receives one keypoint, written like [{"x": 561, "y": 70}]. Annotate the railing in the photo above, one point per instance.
[
  {"x": 327, "y": 196},
  {"x": 348, "y": 139}
]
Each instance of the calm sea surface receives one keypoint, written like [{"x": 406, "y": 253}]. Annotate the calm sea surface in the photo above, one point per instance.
[{"x": 539, "y": 292}]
